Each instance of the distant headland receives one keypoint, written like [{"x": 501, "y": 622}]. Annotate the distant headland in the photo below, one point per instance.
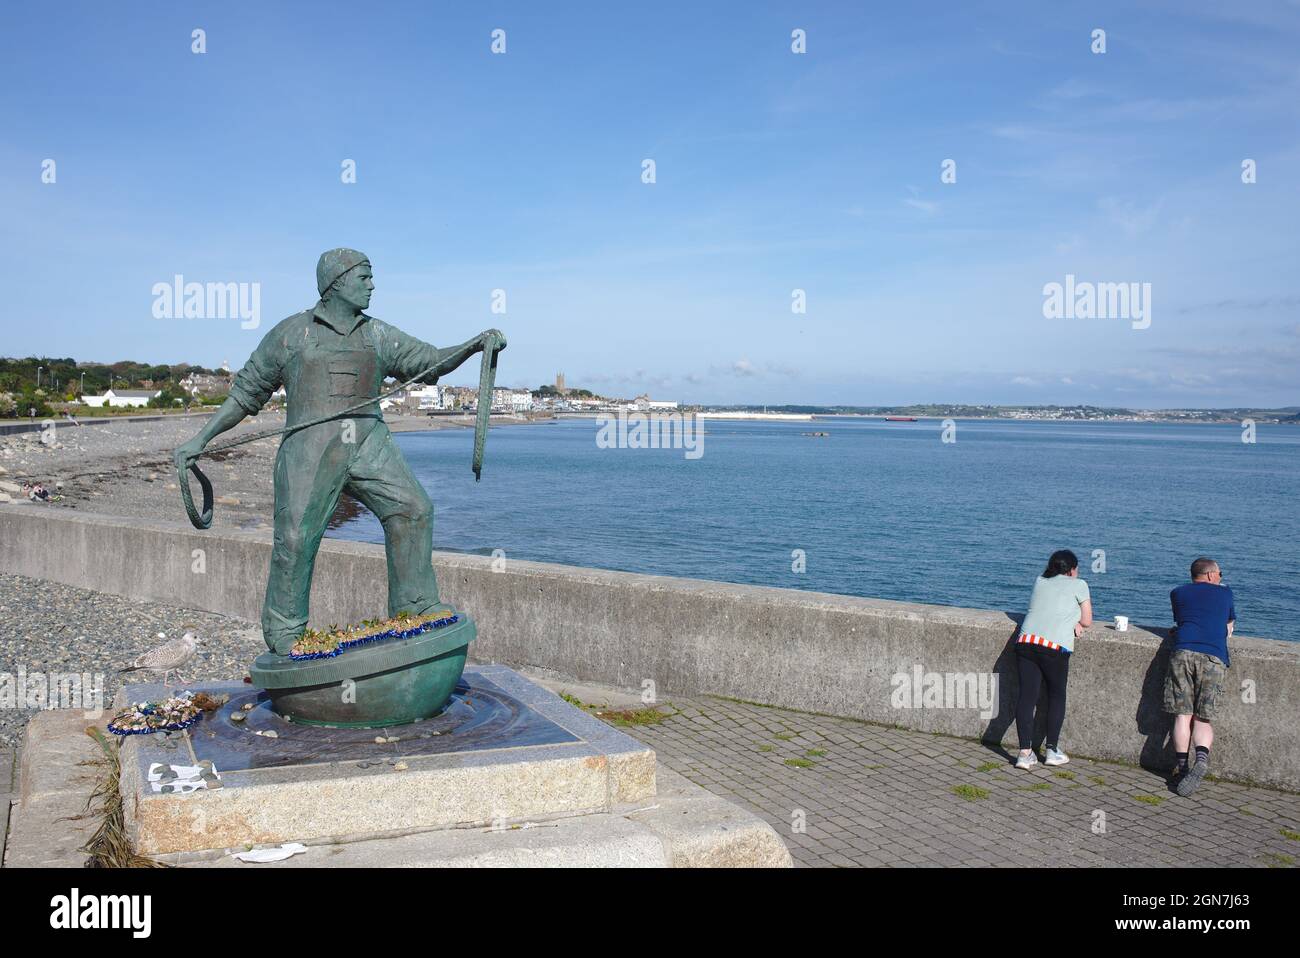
[{"x": 1288, "y": 414}]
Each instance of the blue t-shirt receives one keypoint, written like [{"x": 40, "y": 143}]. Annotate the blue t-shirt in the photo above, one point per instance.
[{"x": 1202, "y": 611}]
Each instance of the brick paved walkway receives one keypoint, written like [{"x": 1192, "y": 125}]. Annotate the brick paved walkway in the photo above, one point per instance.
[{"x": 872, "y": 795}]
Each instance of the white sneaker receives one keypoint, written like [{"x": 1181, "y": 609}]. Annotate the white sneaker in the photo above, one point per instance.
[
  {"x": 1027, "y": 761},
  {"x": 1055, "y": 756}
]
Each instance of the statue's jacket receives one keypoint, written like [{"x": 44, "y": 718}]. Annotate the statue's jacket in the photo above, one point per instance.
[{"x": 324, "y": 371}]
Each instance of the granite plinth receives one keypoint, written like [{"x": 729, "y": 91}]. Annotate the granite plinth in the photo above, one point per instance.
[{"x": 505, "y": 750}]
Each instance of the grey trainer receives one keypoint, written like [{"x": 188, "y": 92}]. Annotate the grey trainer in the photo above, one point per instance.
[
  {"x": 1027, "y": 761},
  {"x": 1192, "y": 780}
]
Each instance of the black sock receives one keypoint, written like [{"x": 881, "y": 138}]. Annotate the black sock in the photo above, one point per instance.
[
  {"x": 1051, "y": 748},
  {"x": 1203, "y": 754},
  {"x": 1182, "y": 761}
]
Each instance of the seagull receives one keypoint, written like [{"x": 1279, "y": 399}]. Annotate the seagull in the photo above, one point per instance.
[{"x": 168, "y": 657}]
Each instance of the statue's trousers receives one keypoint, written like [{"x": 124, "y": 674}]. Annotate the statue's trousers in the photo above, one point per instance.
[{"x": 314, "y": 466}]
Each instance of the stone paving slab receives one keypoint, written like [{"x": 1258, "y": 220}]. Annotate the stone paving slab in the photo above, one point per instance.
[
  {"x": 56, "y": 774},
  {"x": 842, "y": 793},
  {"x": 7, "y": 761}
]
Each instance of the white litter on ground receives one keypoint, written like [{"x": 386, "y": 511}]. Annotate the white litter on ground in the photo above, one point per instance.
[{"x": 262, "y": 856}]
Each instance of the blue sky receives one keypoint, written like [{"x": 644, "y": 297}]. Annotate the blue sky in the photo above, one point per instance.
[{"x": 775, "y": 172}]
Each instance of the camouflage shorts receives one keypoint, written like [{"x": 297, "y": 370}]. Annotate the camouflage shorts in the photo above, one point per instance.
[{"x": 1194, "y": 684}]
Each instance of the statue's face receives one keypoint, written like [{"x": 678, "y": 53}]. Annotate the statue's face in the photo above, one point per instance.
[{"x": 356, "y": 286}]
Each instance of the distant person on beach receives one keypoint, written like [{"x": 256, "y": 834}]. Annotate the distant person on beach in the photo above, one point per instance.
[
  {"x": 1204, "y": 618},
  {"x": 38, "y": 493},
  {"x": 1060, "y": 608}
]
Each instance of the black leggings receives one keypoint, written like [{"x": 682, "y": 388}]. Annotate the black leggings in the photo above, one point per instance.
[{"x": 1036, "y": 665}]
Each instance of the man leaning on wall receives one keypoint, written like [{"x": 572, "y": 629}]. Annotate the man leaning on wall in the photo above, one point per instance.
[{"x": 1204, "y": 617}]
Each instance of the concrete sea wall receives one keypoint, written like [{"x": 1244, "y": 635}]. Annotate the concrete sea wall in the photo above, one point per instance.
[{"x": 868, "y": 659}]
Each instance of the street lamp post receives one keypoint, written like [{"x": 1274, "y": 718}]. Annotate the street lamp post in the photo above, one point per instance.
[{"x": 38, "y": 376}]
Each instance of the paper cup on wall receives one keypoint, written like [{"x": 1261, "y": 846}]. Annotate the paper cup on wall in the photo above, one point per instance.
[{"x": 1121, "y": 623}]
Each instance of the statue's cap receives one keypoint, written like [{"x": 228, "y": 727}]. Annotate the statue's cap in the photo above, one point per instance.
[{"x": 334, "y": 263}]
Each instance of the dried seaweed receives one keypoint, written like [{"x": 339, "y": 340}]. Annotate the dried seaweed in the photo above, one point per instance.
[{"x": 110, "y": 847}]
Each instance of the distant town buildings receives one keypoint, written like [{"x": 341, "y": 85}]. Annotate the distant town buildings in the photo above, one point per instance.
[
  {"x": 205, "y": 384},
  {"x": 512, "y": 401},
  {"x": 552, "y": 399},
  {"x": 122, "y": 398},
  {"x": 644, "y": 403},
  {"x": 427, "y": 398}
]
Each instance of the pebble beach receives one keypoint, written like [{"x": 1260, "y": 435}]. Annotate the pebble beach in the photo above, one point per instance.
[{"x": 47, "y": 628}]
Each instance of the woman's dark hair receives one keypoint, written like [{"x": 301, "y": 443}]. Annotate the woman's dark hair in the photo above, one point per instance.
[{"x": 1062, "y": 562}]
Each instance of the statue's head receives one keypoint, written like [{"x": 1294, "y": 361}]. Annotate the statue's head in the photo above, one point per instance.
[{"x": 345, "y": 274}]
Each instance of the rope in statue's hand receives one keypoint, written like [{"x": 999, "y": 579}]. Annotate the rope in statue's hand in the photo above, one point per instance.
[
  {"x": 493, "y": 343},
  {"x": 198, "y": 520}
]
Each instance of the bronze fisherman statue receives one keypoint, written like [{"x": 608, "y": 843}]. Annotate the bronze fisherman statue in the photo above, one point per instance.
[{"x": 332, "y": 360}]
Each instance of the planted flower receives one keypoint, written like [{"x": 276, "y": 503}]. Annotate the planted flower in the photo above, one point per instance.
[{"x": 319, "y": 644}]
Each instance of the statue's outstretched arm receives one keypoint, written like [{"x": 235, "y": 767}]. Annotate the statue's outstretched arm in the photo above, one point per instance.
[
  {"x": 453, "y": 356},
  {"x": 410, "y": 355},
  {"x": 252, "y": 387}
]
